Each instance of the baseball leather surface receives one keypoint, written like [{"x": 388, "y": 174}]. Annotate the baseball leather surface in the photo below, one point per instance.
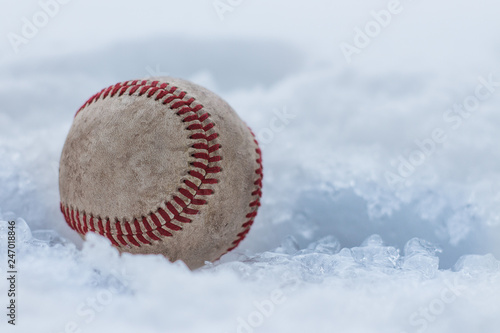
[{"x": 161, "y": 166}]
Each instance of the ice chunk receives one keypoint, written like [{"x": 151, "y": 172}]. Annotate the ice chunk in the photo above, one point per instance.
[
  {"x": 478, "y": 265},
  {"x": 21, "y": 229},
  {"x": 372, "y": 252},
  {"x": 420, "y": 256},
  {"x": 288, "y": 246},
  {"x": 373, "y": 241},
  {"x": 326, "y": 245},
  {"x": 49, "y": 237}
]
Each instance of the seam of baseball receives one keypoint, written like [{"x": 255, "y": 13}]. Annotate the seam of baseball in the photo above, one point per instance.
[
  {"x": 160, "y": 223},
  {"x": 255, "y": 203}
]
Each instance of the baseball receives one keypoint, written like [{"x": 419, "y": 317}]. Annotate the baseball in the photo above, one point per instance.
[{"x": 161, "y": 166}]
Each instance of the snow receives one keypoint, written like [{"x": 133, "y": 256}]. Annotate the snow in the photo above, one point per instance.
[{"x": 336, "y": 246}]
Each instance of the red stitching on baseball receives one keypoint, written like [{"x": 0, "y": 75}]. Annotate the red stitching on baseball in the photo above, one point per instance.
[
  {"x": 254, "y": 204},
  {"x": 128, "y": 236}
]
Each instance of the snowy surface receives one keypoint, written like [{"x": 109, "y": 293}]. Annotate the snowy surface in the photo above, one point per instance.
[{"x": 336, "y": 246}]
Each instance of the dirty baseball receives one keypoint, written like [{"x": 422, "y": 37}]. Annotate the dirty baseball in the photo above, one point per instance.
[{"x": 161, "y": 166}]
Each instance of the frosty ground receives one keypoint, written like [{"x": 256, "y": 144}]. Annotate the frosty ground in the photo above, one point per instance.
[{"x": 381, "y": 206}]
